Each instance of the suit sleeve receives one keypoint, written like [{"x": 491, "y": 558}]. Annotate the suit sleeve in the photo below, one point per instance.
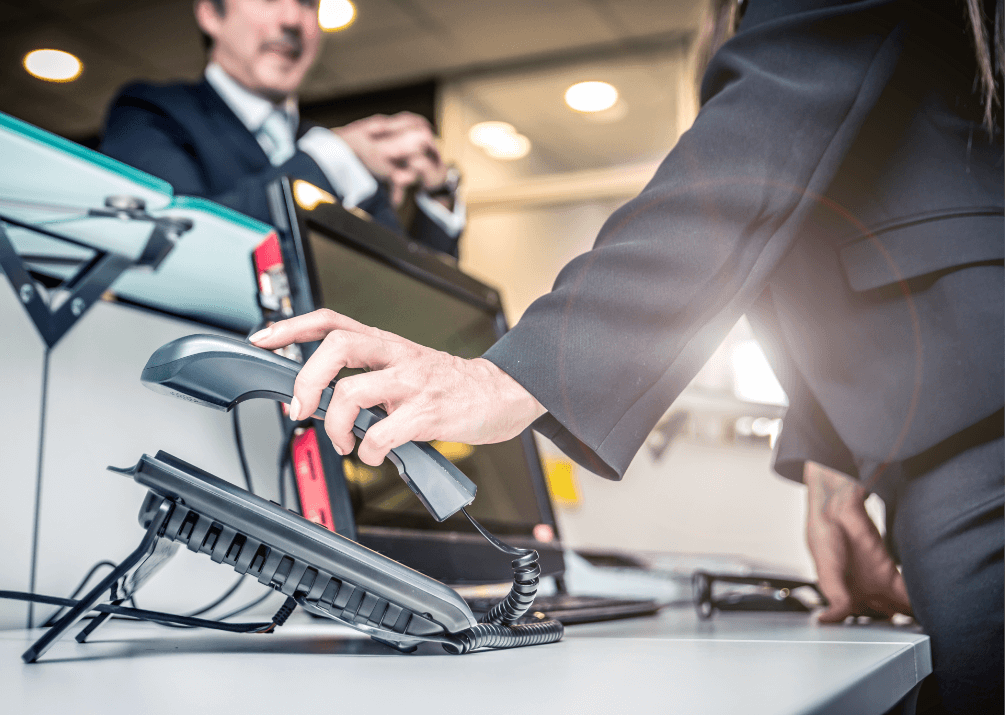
[
  {"x": 629, "y": 323},
  {"x": 807, "y": 432},
  {"x": 431, "y": 233}
]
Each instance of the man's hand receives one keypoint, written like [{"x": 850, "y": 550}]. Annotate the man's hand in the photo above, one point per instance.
[
  {"x": 427, "y": 394},
  {"x": 854, "y": 570},
  {"x": 400, "y": 149}
]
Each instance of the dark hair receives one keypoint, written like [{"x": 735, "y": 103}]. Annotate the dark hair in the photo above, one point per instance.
[
  {"x": 221, "y": 8},
  {"x": 723, "y": 18}
]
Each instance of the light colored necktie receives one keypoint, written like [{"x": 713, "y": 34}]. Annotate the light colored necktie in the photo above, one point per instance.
[{"x": 276, "y": 137}]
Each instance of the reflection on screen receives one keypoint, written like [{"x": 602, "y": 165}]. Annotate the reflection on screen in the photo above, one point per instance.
[{"x": 374, "y": 293}]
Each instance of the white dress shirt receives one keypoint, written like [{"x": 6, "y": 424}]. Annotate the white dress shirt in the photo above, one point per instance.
[{"x": 337, "y": 161}]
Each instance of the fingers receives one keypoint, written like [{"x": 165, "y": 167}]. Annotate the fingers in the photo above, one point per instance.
[
  {"x": 312, "y": 327},
  {"x": 305, "y": 328},
  {"x": 382, "y": 126},
  {"x": 400, "y": 149},
  {"x": 875, "y": 574},
  {"x": 830, "y": 554},
  {"x": 349, "y": 396},
  {"x": 396, "y": 429},
  {"x": 338, "y": 350},
  {"x": 431, "y": 172},
  {"x": 855, "y": 572},
  {"x": 900, "y": 600}
]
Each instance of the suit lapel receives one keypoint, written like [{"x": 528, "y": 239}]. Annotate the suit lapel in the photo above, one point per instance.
[{"x": 227, "y": 128}]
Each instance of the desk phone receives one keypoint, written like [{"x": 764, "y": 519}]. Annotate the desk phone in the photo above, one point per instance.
[{"x": 321, "y": 571}]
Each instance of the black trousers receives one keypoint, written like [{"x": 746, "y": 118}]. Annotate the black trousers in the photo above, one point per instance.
[{"x": 945, "y": 522}]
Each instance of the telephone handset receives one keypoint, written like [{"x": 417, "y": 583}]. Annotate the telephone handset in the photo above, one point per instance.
[{"x": 220, "y": 372}]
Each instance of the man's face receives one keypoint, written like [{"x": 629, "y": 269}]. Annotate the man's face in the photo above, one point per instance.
[{"x": 266, "y": 45}]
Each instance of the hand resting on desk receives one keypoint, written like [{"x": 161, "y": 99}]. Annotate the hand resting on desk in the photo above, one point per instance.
[
  {"x": 426, "y": 393},
  {"x": 854, "y": 569}
]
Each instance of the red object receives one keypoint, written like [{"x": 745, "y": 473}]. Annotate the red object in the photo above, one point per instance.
[
  {"x": 268, "y": 255},
  {"x": 314, "y": 502}
]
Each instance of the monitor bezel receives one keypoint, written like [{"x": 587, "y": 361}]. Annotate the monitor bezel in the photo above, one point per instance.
[{"x": 456, "y": 558}]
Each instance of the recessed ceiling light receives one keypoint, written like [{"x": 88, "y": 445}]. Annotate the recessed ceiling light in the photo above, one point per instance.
[
  {"x": 591, "y": 96},
  {"x": 516, "y": 146},
  {"x": 53, "y": 65},
  {"x": 485, "y": 134},
  {"x": 334, "y": 15},
  {"x": 499, "y": 140}
]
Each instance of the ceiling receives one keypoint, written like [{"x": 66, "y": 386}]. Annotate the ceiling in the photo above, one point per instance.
[
  {"x": 392, "y": 42},
  {"x": 640, "y": 128}
]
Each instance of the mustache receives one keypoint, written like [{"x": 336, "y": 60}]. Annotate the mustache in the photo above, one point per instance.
[{"x": 289, "y": 42}]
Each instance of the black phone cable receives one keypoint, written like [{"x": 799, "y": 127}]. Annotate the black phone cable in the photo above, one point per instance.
[
  {"x": 246, "y": 607},
  {"x": 144, "y": 615},
  {"x": 286, "y": 459},
  {"x": 76, "y": 592},
  {"x": 239, "y": 443},
  {"x": 499, "y": 627},
  {"x": 227, "y": 594}
]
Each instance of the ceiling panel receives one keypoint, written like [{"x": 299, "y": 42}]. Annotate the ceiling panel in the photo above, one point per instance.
[
  {"x": 9, "y": 11},
  {"x": 375, "y": 19},
  {"x": 364, "y": 66},
  {"x": 155, "y": 41},
  {"x": 644, "y": 17},
  {"x": 502, "y": 30}
]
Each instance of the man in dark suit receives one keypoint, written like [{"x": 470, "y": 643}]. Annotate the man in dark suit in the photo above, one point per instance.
[
  {"x": 228, "y": 136},
  {"x": 841, "y": 188}
]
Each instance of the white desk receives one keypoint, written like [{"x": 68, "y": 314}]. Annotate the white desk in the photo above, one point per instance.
[{"x": 740, "y": 664}]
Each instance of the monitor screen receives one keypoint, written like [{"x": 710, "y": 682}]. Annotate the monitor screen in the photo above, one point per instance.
[{"x": 376, "y": 293}]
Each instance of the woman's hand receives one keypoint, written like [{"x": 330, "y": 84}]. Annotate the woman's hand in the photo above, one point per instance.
[
  {"x": 854, "y": 570},
  {"x": 426, "y": 393}
]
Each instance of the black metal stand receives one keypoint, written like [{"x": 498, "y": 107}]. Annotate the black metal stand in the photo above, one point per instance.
[
  {"x": 93, "y": 278},
  {"x": 112, "y": 583}
]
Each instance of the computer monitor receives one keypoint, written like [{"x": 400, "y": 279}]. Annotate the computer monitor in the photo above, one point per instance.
[{"x": 340, "y": 261}]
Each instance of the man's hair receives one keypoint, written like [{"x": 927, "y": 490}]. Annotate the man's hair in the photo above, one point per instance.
[{"x": 221, "y": 8}]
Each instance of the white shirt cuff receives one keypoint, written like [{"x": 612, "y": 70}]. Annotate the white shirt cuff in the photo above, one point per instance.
[
  {"x": 452, "y": 222},
  {"x": 340, "y": 165}
]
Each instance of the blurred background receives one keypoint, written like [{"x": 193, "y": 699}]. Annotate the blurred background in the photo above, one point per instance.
[{"x": 544, "y": 161}]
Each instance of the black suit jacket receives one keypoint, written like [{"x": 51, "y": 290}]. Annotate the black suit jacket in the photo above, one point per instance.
[
  {"x": 187, "y": 135},
  {"x": 837, "y": 186}
]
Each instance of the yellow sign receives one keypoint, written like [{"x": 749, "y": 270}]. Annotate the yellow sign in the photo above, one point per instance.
[
  {"x": 562, "y": 485},
  {"x": 454, "y": 451}
]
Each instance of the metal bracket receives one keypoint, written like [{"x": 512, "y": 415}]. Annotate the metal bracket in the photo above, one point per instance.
[
  {"x": 92, "y": 280},
  {"x": 111, "y": 585}
]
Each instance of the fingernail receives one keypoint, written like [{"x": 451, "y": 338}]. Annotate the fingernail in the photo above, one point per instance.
[
  {"x": 295, "y": 409},
  {"x": 261, "y": 335},
  {"x": 338, "y": 450}
]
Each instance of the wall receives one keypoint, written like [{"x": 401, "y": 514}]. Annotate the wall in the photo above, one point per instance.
[{"x": 99, "y": 414}]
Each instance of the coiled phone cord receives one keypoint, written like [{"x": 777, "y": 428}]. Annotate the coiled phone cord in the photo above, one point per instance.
[{"x": 499, "y": 627}]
